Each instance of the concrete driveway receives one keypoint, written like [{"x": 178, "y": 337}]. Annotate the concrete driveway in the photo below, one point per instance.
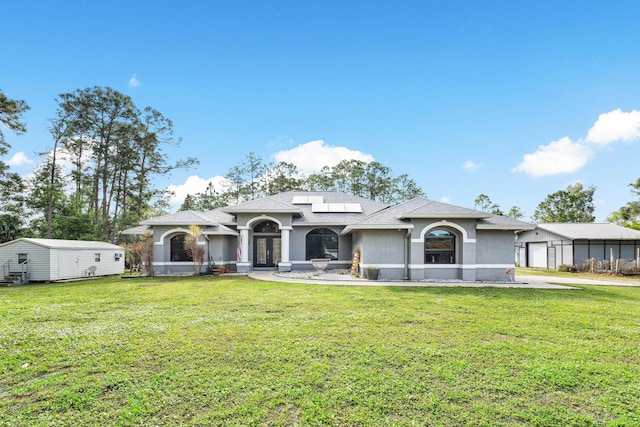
[
  {"x": 521, "y": 281},
  {"x": 532, "y": 280}
]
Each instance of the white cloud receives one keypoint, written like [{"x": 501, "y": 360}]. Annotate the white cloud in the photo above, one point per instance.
[
  {"x": 19, "y": 159},
  {"x": 615, "y": 126},
  {"x": 471, "y": 165},
  {"x": 561, "y": 156},
  {"x": 134, "y": 82},
  {"x": 194, "y": 184},
  {"x": 314, "y": 155},
  {"x": 308, "y": 158},
  {"x": 445, "y": 199}
]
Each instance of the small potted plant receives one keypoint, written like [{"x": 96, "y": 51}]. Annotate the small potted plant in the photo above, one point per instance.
[{"x": 372, "y": 272}]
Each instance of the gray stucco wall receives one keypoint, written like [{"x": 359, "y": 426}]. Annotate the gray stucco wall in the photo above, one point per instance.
[
  {"x": 495, "y": 247},
  {"x": 465, "y": 252},
  {"x": 384, "y": 249},
  {"x": 220, "y": 248},
  {"x": 479, "y": 254},
  {"x": 495, "y": 260},
  {"x": 298, "y": 243},
  {"x": 252, "y": 219}
]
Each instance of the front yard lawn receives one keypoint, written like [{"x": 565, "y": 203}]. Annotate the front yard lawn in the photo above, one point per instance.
[{"x": 230, "y": 350}]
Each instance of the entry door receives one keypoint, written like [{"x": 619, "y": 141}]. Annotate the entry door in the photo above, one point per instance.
[
  {"x": 68, "y": 264},
  {"x": 266, "y": 251}
]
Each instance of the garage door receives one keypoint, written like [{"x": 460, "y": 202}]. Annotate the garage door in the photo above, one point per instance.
[{"x": 537, "y": 255}]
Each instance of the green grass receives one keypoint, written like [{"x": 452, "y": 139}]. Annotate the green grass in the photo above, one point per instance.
[{"x": 233, "y": 351}]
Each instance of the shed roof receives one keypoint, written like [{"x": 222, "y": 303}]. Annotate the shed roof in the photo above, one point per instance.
[
  {"x": 65, "y": 244},
  {"x": 591, "y": 231}
]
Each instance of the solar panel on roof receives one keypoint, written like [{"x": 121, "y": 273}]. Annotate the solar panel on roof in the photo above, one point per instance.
[
  {"x": 319, "y": 207},
  {"x": 306, "y": 200},
  {"x": 336, "y": 207}
]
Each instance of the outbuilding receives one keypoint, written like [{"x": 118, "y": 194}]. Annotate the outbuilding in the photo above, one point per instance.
[
  {"x": 551, "y": 245},
  {"x": 44, "y": 260}
]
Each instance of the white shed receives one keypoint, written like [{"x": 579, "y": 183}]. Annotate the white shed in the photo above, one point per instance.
[{"x": 52, "y": 259}]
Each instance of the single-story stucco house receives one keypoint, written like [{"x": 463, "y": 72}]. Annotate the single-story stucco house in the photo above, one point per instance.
[
  {"x": 551, "y": 245},
  {"x": 419, "y": 239},
  {"x": 44, "y": 260}
]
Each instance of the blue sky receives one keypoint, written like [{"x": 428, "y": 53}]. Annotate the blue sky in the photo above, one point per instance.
[{"x": 515, "y": 100}]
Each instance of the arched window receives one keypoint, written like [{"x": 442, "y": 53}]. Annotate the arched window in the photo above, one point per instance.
[
  {"x": 179, "y": 251},
  {"x": 440, "y": 247},
  {"x": 322, "y": 243},
  {"x": 266, "y": 227}
]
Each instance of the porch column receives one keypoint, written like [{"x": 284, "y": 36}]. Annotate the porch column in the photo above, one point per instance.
[
  {"x": 243, "y": 265},
  {"x": 285, "y": 263},
  {"x": 244, "y": 236}
]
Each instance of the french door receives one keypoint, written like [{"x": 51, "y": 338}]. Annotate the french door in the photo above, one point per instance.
[{"x": 266, "y": 251}]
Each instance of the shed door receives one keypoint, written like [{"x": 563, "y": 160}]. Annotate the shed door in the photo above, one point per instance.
[
  {"x": 537, "y": 255},
  {"x": 68, "y": 264}
]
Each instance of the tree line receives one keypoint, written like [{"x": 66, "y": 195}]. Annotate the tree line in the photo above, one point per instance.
[
  {"x": 252, "y": 179},
  {"x": 575, "y": 204},
  {"x": 115, "y": 150}
]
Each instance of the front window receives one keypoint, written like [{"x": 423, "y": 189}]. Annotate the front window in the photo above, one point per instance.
[
  {"x": 322, "y": 243},
  {"x": 440, "y": 247},
  {"x": 96, "y": 257},
  {"x": 179, "y": 251}
]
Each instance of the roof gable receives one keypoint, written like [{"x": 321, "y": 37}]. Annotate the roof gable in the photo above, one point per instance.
[
  {"x": 420, "y": 207},
  {"x": 190, "y": 217},
  {"x": 400, "y": 216},
  {"x": 265, "y": 205},
  {"x": 336, "y": 208}
]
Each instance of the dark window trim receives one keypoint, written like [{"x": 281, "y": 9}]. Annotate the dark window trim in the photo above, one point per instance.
[{"x": 446, "y": 253}]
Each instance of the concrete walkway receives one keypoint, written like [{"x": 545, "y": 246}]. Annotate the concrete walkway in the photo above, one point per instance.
[
  {"x": 534, "y": 282},
  {"x": 576, "y": 281}
]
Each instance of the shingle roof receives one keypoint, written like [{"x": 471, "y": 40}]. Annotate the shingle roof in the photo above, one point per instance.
[
  {"x": 219, "y": 230},
  {"x": 591, "y": 231},
  {"x": 503, "y": 223},
  {"x": 267, "y": 204},
  {"x": 424, "y": 208},
  {"x": 303, "y": 213},
  {"x": 190, "y": 217},
  {"x": 399, "y": 216},
  {"x": 141, "y": 229}
]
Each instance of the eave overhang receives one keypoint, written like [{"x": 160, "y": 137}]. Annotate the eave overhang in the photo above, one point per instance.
[{"x": 349, "y": 228}]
